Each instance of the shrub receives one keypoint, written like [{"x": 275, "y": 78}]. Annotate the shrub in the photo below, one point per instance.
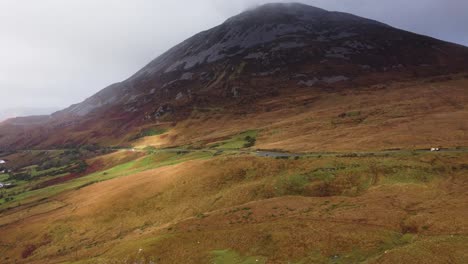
[
  {"x": 250, "y": 141},
  {"x": 20, "y": 176},
  {"x": 292, "y": 185},
  {"x": 80, "y": 167},
  {"x": 349, "y": 155},
  {"x": 150, "y": 150}
]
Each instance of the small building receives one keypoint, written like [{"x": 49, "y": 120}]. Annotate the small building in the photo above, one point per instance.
[{"x": 2, "y": 161}]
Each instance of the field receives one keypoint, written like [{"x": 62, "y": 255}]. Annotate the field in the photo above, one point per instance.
[
  {"x": 396, "y": 207},
  {"x": 316, "y": 177}
]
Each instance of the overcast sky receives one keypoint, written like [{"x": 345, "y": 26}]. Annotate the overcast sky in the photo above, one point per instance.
[{"x": 54, "y": 53}]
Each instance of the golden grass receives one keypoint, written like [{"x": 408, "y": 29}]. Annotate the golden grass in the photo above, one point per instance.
[
  {"x": 24, "y": 213},
  {"x": 182, "y": 213},
  {"x": 410, "y": 115}
]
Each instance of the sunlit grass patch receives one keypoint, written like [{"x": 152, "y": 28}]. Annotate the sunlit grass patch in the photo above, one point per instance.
[
  {"x": 292, "y": 185},
  {"x": 141, "y": 164},
  {"x": 231, "y": 257},
  {"x": 3, "y": 177},
  {"x": 149, "y": 133},
  {"x": 242, "y": 140}
]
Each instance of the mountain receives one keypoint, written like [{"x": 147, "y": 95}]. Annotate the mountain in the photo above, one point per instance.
[
  {"x": 265, "y": 52},
  {"x": 284, "y": 39}
]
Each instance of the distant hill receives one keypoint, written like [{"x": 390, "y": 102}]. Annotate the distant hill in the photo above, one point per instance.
[{"x": 25, "y": 111}]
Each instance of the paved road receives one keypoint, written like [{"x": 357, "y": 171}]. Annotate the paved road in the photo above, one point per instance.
[
  {"x": 284, "y": 154},
  {"x": 276, "y": 154}
]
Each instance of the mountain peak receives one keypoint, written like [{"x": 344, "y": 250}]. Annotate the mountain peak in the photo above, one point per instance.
[
  {"x": 276, "y": 11},
  {"x": 287, "y": 7},
  {"x": 288, "y": 23}
]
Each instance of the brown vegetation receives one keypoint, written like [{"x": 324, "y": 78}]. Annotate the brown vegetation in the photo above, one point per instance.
[{"x": 379, "y": 209}]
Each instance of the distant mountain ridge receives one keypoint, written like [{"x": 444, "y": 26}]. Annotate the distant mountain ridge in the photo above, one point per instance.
[{"x": 25, "y": 111}]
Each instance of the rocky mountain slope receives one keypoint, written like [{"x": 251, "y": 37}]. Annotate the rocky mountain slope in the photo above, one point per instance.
[{"x": 255, "y": 55}]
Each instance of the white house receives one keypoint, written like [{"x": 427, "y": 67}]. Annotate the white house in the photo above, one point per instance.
[
  {"x": 2, "y": 162},
  {"x": 1, "y": 185}
]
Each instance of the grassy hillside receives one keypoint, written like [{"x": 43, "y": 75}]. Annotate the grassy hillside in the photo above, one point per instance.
[
  {"x": 323, "y": 176},
  {"x": 238, "y": 208},
  {"x": 421, "y": 113}
]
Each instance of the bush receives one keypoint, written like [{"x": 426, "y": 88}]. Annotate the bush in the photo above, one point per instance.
[
  {"x": 250, "y": 141},
  {"x": 90, "y": 148},
  {"x": 150, "y": 150},
  {"x": 349, "y": 155},
  {"x": 292, "y": 185},
  {"x": 217, "y": 153},
  {"x": 80, "y": 167},
  {"x": 20, "y": 176}
]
